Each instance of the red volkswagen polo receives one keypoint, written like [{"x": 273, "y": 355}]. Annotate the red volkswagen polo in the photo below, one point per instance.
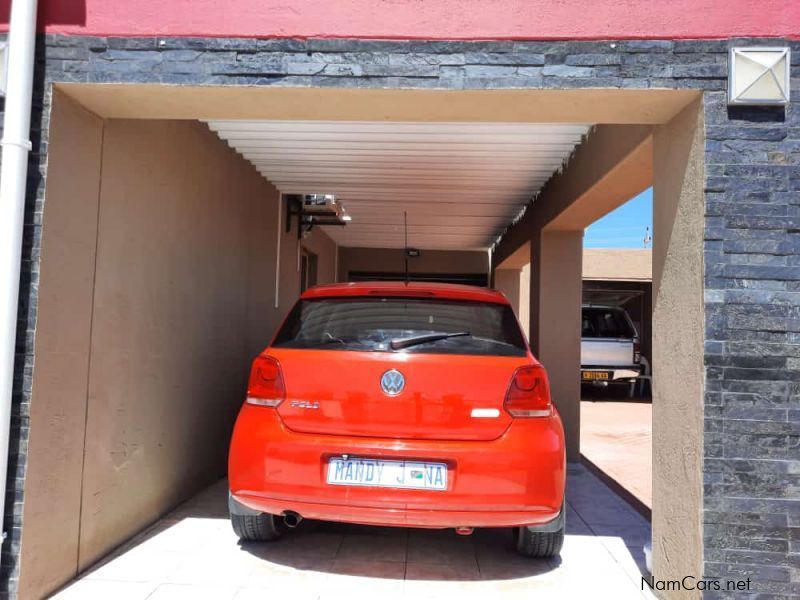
[{"x": 413, "y": 405}]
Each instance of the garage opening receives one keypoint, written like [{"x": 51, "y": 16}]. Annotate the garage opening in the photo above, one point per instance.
[
  {"x": 616, "y": 349},
  {"x": 170, "y": 256}
]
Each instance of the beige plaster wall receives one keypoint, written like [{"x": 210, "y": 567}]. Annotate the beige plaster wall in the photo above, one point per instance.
[
  {"x": 556, "y": 292},
  {"x": 524, "y": 313},
  {"x": 520, "y": 261},
  {"x": 158, "y": 286},
  {"x": 274, "y": 246},
  {"x": 618, "y": 264},
  {"x": 262, "y": 248},
  {"x": 320, "y": 243},
  {"x": 391, "y": 260},
  {"x": 515, "y": 284},
  {"x": 171, "y": 341},
  {"x": 58, "y": 408},
  {"x": 678, "y": 382},
  {"x": 508, "y": 282}
]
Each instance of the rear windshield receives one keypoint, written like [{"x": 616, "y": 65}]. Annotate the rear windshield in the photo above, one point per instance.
[
  {"x": 370, "y": 324},
  {"x": 606, "y": 323}
]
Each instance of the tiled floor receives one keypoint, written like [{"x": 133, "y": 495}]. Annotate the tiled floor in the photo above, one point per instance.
[
  {"x": 617, "y": 436},
  {"x": 193, "y": 554}
]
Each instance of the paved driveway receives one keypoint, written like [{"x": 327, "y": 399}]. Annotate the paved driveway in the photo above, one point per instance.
[
  {"x": 193, "y": 554},
  {"x": 617, "y": 436}
]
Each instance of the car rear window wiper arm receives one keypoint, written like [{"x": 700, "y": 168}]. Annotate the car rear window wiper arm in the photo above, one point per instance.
[{"x": 400, "y": 343}]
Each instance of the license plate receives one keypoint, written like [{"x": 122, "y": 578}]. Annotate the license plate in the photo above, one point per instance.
[
  {"x": 387, "y": 473},
  {"x": 595, "y": 375}
]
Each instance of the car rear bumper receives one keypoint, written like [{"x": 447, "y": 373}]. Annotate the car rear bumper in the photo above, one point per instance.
[
  {"x": 517, "y": 479},
  {"x": 407, "y": 517}
]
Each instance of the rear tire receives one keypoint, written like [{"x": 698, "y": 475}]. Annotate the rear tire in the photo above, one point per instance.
[
  {"x": 541, "y": 541},
  {"x": 538, "y": 544},
  {"x": 258, "y": 528}
]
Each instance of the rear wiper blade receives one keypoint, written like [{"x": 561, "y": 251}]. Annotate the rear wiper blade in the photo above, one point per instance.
[{"x": 400, "y": 343}]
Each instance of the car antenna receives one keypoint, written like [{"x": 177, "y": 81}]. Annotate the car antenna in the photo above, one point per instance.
[{"x": 405, "y": 249}]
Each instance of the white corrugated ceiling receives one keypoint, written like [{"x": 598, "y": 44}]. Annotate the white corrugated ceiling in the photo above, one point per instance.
[{"x": 461, "y": 183}]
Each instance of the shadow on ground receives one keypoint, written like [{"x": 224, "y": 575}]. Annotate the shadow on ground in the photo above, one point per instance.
[{"x": 402, "y": 553}]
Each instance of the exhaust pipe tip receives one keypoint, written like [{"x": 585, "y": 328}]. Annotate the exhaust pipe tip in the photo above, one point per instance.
[
  {"x": 292, "y": 519},
  {"x": 464, "y": 530}
]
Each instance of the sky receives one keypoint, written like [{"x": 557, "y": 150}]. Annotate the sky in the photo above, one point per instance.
[{"x": 624, "y": 227}]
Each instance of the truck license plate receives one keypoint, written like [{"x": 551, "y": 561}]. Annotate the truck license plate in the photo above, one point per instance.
[{"x": 595, "y": 375}]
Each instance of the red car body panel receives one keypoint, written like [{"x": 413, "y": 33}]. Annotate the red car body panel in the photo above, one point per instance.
[
  {"x": 431, "y": 408},
  {"x": 502, "y": 471}
]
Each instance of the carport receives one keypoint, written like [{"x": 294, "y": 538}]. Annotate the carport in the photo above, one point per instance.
[{"x": 169, "y": 256}]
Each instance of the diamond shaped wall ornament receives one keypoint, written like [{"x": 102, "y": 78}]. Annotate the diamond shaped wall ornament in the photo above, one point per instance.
[{"x": 758, "y": 76}]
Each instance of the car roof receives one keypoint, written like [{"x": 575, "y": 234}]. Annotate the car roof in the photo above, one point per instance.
[{"x": 415, "y": 289}]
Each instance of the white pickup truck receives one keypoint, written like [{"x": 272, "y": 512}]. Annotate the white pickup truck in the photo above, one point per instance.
[{"x": 610, "y": 350}]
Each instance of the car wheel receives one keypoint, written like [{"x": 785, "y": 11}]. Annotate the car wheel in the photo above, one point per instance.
[
  {"x": 542, "y": 541},
  {"x": 258, "y": 528},
  {"x": 538, "y": 544}
]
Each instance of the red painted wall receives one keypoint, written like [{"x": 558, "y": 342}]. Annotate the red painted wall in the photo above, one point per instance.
[{"x": 427, "y": 19}]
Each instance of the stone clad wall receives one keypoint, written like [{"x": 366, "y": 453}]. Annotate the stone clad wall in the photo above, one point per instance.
[{"x": 752, "y": 294}]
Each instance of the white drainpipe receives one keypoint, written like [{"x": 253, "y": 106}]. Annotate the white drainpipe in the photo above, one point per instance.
[{"x": 13, "y": 174}]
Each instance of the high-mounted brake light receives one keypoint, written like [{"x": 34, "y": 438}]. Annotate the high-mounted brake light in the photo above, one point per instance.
[
  {"x": 265, "y": 387},
  {"x": 529, "y": 393}
]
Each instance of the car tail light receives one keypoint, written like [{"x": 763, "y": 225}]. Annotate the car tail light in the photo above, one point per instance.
[
  {"x": 529, "y": 393},
  {"x": 637, "y": 353},
  {"x": 266, "y": 382}
]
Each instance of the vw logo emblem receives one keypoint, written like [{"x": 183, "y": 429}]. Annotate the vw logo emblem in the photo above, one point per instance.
[{"x": 392, "y": 382}]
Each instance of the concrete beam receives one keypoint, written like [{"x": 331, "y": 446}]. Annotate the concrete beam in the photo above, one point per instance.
[{"x": 157, "y": 101}]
